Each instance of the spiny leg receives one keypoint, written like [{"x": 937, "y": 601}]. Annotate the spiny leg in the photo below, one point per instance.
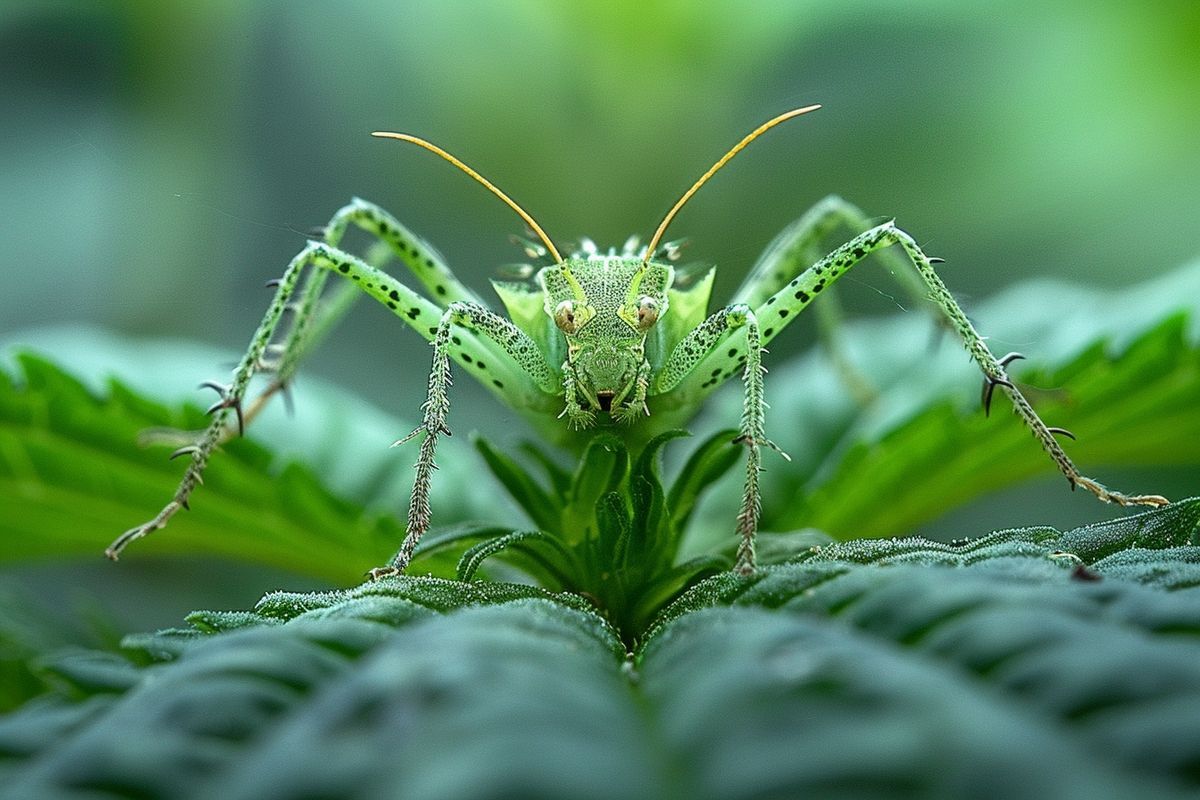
[
  {"x": 231, "y": 399},
  {"x": 682, "y": 363},
  {"x": 315, "y": 313},
  {"x": 523, "y": 352},
  {"x": 421, "y": 314},
  {"x": 578, "y": 415},
  {"x": 778, "y": 310}
]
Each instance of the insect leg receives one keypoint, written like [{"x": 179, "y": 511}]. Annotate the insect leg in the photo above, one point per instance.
[
  {"x": 458, "y": 318},
  {"x": 315, "y": 317},
  {"x": 629, "y": 411},
  {"x": 508, "y": 374},
  {"x": 231, "y": 401},
  {"x": 800, "y": 245},
  {"x": 578, "y": 416},
  {"x": 682, "y": 363},
  {"x": 778, "y": 310}
]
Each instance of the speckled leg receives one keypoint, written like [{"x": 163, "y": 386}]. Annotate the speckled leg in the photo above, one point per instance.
[
  {"x": 779, "y": 309},
  {"x": 300, "y": 290},
  {"x": 683, "y": 361},
  {"x": 517, "y": 348},
  {"x": 801, "y": 245}
]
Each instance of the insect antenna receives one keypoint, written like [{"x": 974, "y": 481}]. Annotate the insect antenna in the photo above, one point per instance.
[
  {"x": 491, "y": 187},
  {"x": 737, "y": 148}
]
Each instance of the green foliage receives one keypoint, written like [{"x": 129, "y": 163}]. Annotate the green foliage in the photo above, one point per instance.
[
  {"x": 1120, "y": 368},
  {"x": 71, "y": 473},
  {"x": 1028, "y": 663},
  {"x": 610, "y": 530}
]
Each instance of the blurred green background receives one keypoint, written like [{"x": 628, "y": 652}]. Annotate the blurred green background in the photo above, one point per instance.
[{"x": 161, "y": 160}]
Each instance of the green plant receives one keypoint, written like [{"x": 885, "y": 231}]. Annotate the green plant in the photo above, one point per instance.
[
  {"x": 584, "y": 338},
  {"x": 1028, "y": 662}
]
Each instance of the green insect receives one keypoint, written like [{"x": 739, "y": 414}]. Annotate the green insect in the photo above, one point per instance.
[{"x": 597, "y": 339}]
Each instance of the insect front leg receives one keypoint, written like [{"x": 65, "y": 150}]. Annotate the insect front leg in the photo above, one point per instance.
[
  {"x": 681, "y": 366},
  {"x": 499, "y": 337},
  {"x": 633, "y": 409},
  {"x": 578, "y": 415}
]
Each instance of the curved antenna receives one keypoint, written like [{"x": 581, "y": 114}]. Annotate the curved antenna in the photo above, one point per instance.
[
  {"x": 491, "y": 187},
  {"x": 737, "y": 148}
]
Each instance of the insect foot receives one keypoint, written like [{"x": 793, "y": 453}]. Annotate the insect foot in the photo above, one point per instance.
[{"x": 1119, "y": 498}]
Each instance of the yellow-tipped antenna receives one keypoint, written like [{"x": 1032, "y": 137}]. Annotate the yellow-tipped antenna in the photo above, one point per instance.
[
  {"x": 491, "y": 187},
  {"x": 737, "y": 148}
]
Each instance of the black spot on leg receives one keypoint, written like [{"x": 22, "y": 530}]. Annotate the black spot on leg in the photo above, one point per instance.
[
  {"x": 767, "y": 333},
  {"x": 783, "y": 312},
  {"x": 481, "y": 365},
  {"x": 343, "y": 268},
  {"x": 391, "y": 305},
  {"x": 440, "y": 289},
  {"x": 498, "y": 384},
  {"x": 456, "y": 340},
  {"x": 413, "y": 313},
  {"x": 716, "y": 372},
  {"x": 394, "y": 294},
  {"x": 770, "y": 299},
  {"x": 733, "y": 351},
  {"x": 859, "y": 252},
  {"x": 432, "y": 331},
  {"x": 429, "y": 263},
  {"x": 802, "y": 296},
  {"x": 819, "y": 285},
  {"x": 467, "y": 358}
]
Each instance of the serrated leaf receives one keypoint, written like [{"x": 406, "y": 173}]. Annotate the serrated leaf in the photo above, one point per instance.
[
  {"x": 987, "y": 667},
  {"x": 72, "y": 477}
]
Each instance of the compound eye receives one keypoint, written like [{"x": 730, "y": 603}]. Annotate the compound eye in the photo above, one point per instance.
[
  {"x": 647, "y": 312},
  {"x": 565, "y": 318}
]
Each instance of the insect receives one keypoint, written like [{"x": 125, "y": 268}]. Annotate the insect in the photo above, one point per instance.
[{"x": 598, "y": 339}]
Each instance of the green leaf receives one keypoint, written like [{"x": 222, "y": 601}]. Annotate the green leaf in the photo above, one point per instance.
[
  {"x": 535, "y": 501},
  {"x": 707, "y": 463},
  {"x": 1004, "y": 666},
  {"x": 526, "y": 541},
  {"x": 72, "y": 477}
]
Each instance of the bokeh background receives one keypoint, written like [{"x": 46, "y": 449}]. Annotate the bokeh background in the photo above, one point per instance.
[{"x": 160, "y": 160}]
